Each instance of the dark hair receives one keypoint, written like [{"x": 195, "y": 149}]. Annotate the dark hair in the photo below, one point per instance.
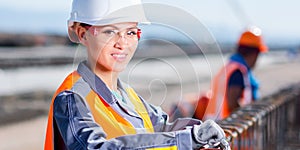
[
  {"x": 246, "y": 50},
  {"x": 87, "y": 26}
]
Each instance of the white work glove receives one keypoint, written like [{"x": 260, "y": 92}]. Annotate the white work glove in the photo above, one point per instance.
[{"x": 209, "y": 134}]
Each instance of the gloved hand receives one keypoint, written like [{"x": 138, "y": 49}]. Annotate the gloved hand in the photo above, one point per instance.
[{"x": 211, "y": 134}]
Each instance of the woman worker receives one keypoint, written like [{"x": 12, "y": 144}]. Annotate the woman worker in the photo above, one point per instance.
[{"x": 93, "y": 109}]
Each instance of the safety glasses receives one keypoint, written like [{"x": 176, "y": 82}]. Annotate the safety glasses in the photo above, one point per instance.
[{"x": 111, "y": 34}]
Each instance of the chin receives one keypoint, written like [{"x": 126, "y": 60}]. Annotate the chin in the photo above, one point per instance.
[{"x": 119, "y": 69}]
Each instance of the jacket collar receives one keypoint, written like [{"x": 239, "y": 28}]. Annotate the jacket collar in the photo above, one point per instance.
[
  {"x": 239, "y": 58},
  {"x": 96, "y": 83}
]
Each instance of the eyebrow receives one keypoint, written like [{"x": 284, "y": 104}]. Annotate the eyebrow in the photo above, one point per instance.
[{"x": 115, "y": 27}]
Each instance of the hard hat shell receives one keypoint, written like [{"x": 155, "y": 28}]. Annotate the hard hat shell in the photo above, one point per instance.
[
  {"x": 253, "y": 38},
  {"x": 104, "y": 12}
]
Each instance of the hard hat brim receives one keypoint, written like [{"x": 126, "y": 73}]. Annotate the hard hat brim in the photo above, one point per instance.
[{"x": 263, "y": 49}]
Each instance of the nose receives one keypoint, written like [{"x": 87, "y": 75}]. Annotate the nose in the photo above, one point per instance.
[{"x": 121, "y": 42}]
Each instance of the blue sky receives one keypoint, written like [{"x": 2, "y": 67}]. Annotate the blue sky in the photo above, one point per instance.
[
  {"x": 277, "y": 18},
  {"x": 34, "y": 16}
]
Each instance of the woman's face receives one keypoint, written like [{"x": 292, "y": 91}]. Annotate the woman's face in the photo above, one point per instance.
[{"x": 111, "y": 47}]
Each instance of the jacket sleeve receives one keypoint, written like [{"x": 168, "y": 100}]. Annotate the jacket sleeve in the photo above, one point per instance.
[
  {"x": 160, "y": 120},
  {"x": 79, "y": 130}
]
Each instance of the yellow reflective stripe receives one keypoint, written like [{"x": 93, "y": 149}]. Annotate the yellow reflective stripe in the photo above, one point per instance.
[
  {"x": 140, "y": 108},
  {"x": 164, "y": 148},
  {"x": 112, "y": 123}
]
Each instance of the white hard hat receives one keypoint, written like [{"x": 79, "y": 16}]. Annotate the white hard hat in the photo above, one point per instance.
[{"x": 104, "y": 12}]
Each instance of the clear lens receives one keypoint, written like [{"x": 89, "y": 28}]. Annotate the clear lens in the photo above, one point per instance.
[{"x": 114, "y": 35}]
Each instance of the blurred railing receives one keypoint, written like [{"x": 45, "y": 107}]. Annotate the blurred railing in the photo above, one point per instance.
[{"x": 270, "y": 123}]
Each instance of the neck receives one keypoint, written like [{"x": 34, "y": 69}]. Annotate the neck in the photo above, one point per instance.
[{"x": 110, "y": 78}]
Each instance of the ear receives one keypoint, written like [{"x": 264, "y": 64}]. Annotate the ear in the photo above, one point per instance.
[{"x": 81, "y": 33}]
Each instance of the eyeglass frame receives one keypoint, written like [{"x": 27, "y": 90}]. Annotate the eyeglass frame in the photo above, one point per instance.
[{"x": 87, "y": 27}]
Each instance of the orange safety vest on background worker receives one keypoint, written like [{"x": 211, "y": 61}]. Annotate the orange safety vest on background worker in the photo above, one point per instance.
[{"x": 217, "y": 107}]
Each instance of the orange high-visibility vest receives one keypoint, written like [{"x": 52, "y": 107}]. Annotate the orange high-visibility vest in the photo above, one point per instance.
[
  {"x": 217, "y": 107},
  {"x": 111, "y": 122}
]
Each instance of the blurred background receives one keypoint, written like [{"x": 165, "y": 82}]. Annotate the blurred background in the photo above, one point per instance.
[{"x": 177, "y": 55}]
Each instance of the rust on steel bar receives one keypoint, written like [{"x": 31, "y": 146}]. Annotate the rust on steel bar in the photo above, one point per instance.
[{"x": 267, "y": 122}]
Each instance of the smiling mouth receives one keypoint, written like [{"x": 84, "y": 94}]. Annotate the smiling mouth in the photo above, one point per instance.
[{"x": 119, "y": 56}]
